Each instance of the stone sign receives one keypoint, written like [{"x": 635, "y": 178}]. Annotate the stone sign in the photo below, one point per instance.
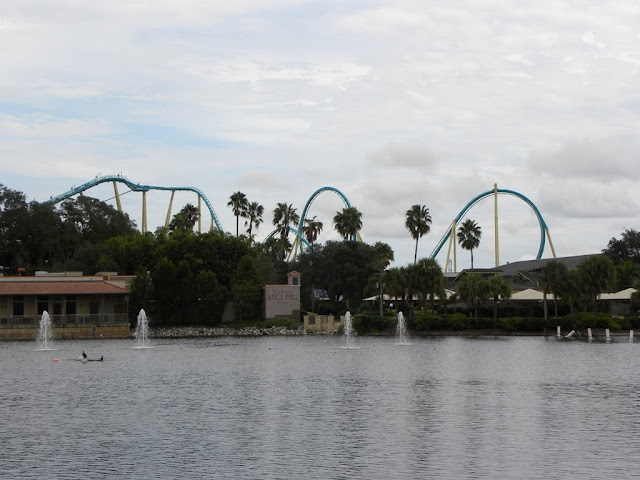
[{"x": 282, "y": 301}]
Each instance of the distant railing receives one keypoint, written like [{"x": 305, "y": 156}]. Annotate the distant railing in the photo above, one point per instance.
[{"x": 96, "y": 319}]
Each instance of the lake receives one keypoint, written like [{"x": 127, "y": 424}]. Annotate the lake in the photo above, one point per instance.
[{"x": 308, "y": 408}]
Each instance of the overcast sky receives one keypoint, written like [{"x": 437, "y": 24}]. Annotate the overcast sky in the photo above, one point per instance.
[{"x": 392, "y": 102}]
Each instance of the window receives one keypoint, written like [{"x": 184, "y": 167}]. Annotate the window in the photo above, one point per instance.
[
  {"x": 43, "y": 304},
  {"x": 295, "y": 280},
  {"x": 18, "y": 305},
  {"x": 71, "y": 305},
  {"x": 94, "y": 306}
]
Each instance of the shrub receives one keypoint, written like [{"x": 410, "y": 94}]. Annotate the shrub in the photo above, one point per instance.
[
  {"x": 511, "y": 324},
  {"x": 458, "y": 321},
  {"x": 368, "y": 323}
]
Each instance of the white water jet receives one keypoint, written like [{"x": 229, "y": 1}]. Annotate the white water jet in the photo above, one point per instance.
[
  {"x": 348, "y": 329},
  {"x": 45, "y": 335},
  {"x": 142, "y": 330},
  {"x": 401, "y": 330}
]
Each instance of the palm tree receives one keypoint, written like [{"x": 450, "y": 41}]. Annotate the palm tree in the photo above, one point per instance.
[
  {"x": 498, "y": 289},
  {"x": 418, "y": 222},
  {"x": 283, "y": 216},
  {"x": 430, "y": 281},
  {"x": 469, "y": 235},
  {"x": 348, "y": 222},
  {"x": 596, "y": 274},
  {"x": 554, "y": 277},
  {"x": 384, "y": 254},
  {"x": 312, "y": 229},
  {"x": 239, "y": 203},
  {"x": 397, "y": 285},
  {"x": 185, "y": 219},
  {"x": 253, "y": 215},
  {"x": 473, "y": 289}
]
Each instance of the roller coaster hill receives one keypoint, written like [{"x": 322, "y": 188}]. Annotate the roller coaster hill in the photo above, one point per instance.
[{"x": 300, "y": 240}]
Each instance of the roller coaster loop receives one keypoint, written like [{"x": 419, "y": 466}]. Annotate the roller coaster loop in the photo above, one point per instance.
[
  {"x": 300, "y": 238},
  {"x": 544, "y": 230}
]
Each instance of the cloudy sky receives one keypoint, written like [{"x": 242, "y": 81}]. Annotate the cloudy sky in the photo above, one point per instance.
[{"x": 392, "y": 102}]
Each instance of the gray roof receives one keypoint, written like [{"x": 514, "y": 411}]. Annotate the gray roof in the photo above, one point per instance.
[{"x": 509, "y": 269}]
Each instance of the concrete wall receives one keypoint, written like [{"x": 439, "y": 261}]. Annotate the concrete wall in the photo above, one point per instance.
[
  {"x": 28, "y": 332},
  {"x": 322, "y": 323}
]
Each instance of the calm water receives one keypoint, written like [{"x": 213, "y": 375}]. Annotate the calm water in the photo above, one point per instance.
[{"x": 306, "y": 408}]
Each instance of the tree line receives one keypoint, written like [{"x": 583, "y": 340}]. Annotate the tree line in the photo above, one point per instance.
[{"x": 182, "y": 276}]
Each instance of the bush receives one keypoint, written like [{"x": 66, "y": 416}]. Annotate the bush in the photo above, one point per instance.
[
  {"x": 511, "y": 324},
  {"x": 368, "y": 323}
]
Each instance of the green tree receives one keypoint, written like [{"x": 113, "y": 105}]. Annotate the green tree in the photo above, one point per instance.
[
  {"x": 211, "y": 297},
  {"x": 14, "y": 216},
  {"x": 627, "y": 274},
  {"x": 185, "y": 219},
  {"x": 554, "y": 278},
  {"x": 311, "y": 229},
  {"x": 498, "y": 290},
  {"x": 253, "y": 215},
  {"x": 469, "y": 234},
  {"x": 625, "y": 248},
  {"x": 341, "y": 269},
  {"x": 430, "y": 281},
  {"x": 247, "y": 291},
  {"x": 596, "y": 276},
  {"x": 473, "y": 289},
  {"x": 348, "y": 222},
  {"x": 398, "y": 286},
  {"x": 384, "y": 254},
  {"x": 238, "y": 203},
  {"x": 284, "y": 215},
  {"x": 141, "y": 296},
  {"x": 418, "y": 222},
  {"x": 166, "y": 303}
]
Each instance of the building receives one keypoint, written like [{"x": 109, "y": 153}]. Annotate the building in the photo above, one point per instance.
[{"x": 79, "y": 306}]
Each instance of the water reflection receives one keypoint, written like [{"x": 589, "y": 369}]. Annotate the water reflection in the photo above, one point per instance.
[{"x": 308, "y": 408}]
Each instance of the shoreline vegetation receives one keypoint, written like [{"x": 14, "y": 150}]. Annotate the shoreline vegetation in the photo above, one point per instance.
[{"x": 197, "y": 332}]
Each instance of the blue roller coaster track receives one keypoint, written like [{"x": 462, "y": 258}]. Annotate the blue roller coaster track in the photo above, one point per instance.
[
  {"x": 298, "y": 232},
  {"x": 544, "y": 230},
  {"x": 135, "y": 187}
]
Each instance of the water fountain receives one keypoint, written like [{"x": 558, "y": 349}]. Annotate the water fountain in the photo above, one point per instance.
[
  {"x": 45, "y": 335},
  {"x": 142, "y": 330},
  {"x": 401, "y": 330},
  {"x": 348, "y": 329}
]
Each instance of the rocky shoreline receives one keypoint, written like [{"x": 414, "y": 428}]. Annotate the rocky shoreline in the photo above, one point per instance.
[{"x": 191, "y": 332}]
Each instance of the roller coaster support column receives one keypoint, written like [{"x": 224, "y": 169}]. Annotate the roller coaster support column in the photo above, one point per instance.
[
  {"x": 495, "y": 211},
  {"x": 451, "y": 242},
  {"x": 553, "y": 251},
  {"x": 144, "y": 212},
  {"x": 199, "y": 215},
  {"x": 168, "y": 219},
  {"x": 115, "y": 189}
]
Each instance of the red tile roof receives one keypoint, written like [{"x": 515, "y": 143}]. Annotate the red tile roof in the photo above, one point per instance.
[{"x": 61, "y": 288}]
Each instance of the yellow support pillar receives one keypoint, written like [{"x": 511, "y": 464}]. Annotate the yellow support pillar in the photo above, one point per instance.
[
  {"x": 199, "y": 215},
  {"x": 115, "y": 189},
  {"x": 495, "y": 210},
  {"x": 455, "y": 243},
  {"x": 550, "y": 242},
  {"x": 144, "y": 212},
  {"x": 168, "y": 219}
]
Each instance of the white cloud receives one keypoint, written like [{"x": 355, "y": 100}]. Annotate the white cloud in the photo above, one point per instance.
[{"x": 394, "y": 103}]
